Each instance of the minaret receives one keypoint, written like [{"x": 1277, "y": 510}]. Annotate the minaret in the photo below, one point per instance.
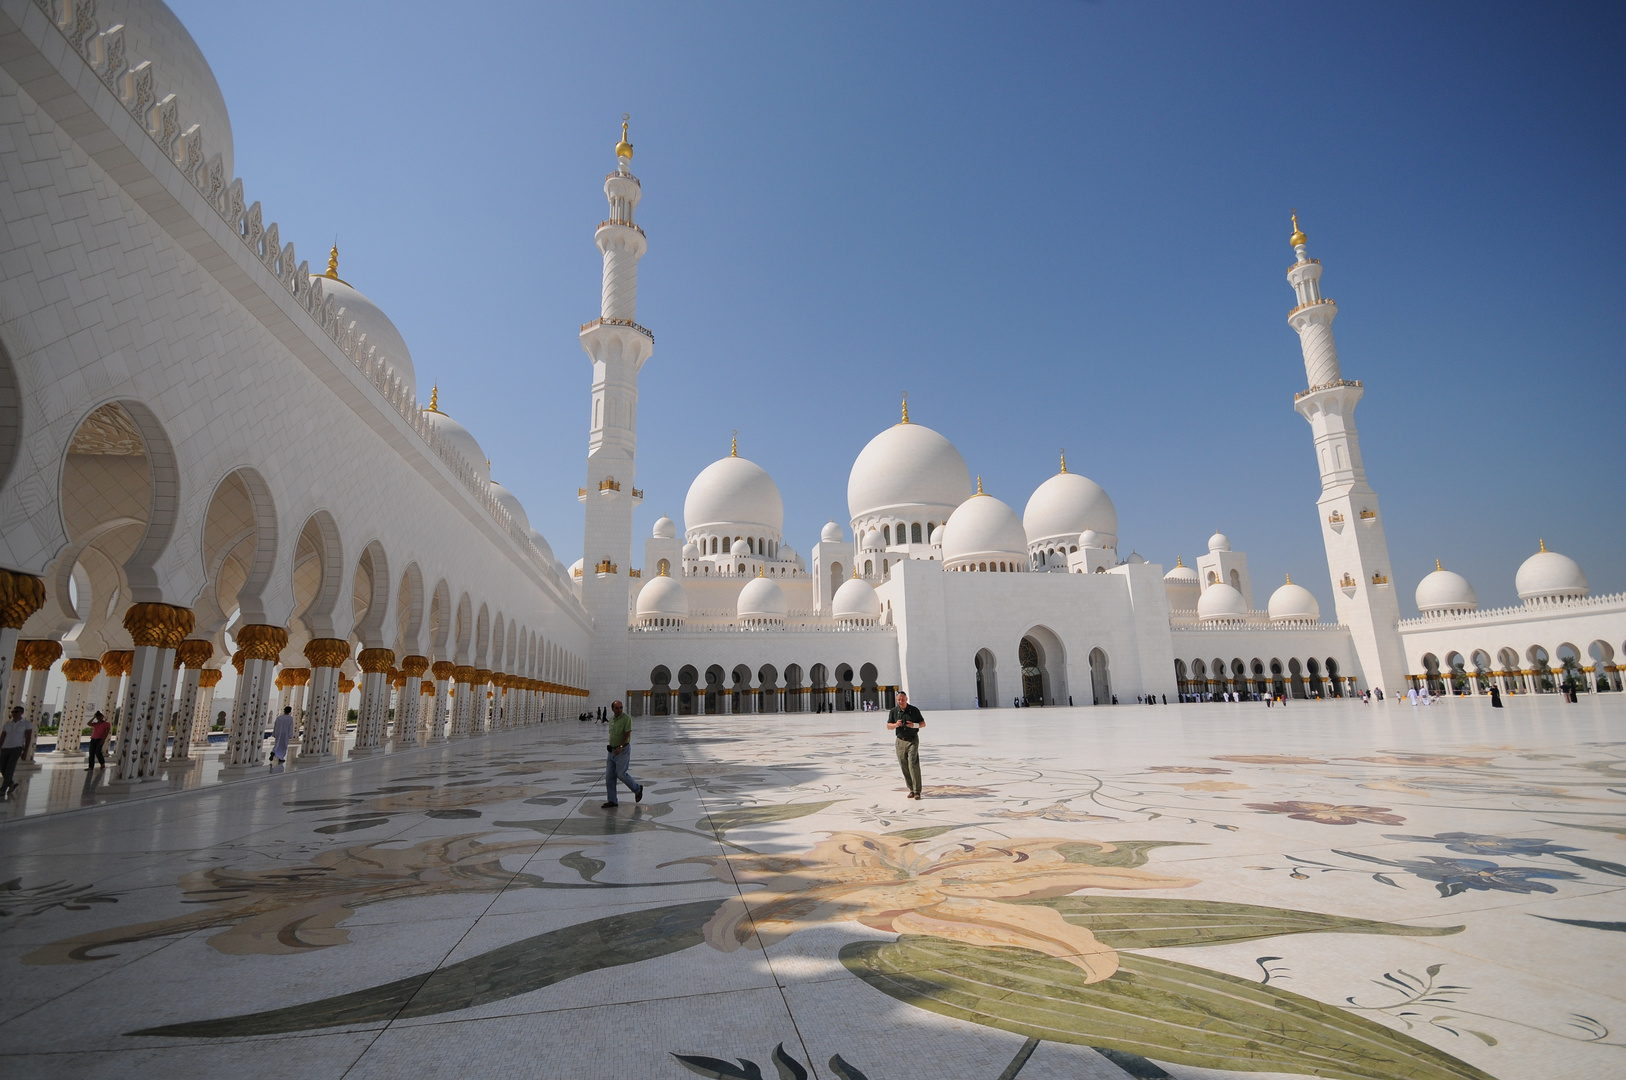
[
  {"x": 618, "y": 347},
  {"x": 1357, "y": 552}
]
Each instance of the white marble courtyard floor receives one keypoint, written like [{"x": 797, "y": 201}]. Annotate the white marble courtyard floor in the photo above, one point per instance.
[{"x": 1186, "y": 891}]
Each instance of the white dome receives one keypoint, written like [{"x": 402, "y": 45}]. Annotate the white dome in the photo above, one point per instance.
[
  {"x": 831, "y": 534},
  {"x": 457, "y": 436},
  {"x": 1547, "y": 575},
  {"x": 152, "y": 32},
  {"x": 1221, "y": 601},
  {"x": 690, "y": 551},
  {"x": 1066, "y": 505},
  {"x": 1181, "y": 575},
  {"x": 762, "y": 598},
  {"x": 665, "y": 528},
  {"x": 1445, "y": 590},
  {"x": 984, "y": 528},
  {"x": 937, "y": 536},
  {"x": 907, "y": 465},
  {"x": 542, "y": 542},
  {"x": 663, "y": 597},
  {"x": 510, "y": 502},
  {"x": 1093, "y": 539},
  {"x": 734, "y": 492},
  {"x": 872, "y": 540},
  {"x": 1289, "y": 603},
  {"x": 1219, "y": 542},
  {"x": 855, "y": 600},
  {"x": 371, "y": 320},
  {"x": 1136, "y": 558}
]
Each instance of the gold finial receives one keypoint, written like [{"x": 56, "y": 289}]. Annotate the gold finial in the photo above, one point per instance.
[
  {"x": 1298, "y": 236},
  {"x": 1290, "y": 579},
  {"x": 1543, "y": 544},
  {"x": 1437, "y": 565},
  {"x": 662, "y": 568},
  {"x": 1179, "y": 560},
  {"x": 434, "y": 399},
  {"x": 734, "y": 444},
  {"x": 1064, "y": 459},
  {"x": 905, "y": 407},
  {"x": 624, "y": 148},
  {"x": 979, "y": 486},
  {"x": 760, "y": 573}
]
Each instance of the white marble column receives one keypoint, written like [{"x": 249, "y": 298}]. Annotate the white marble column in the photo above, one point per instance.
[
  {"x": 373, "y": 714},
  {"x": 409, "y": 708},
  {"x": 157, "y": 630},
  {"x": 440, "y": 715},
  {"x": 462, "y": 701},
  {"x": 80, "y": 673},
  {"x": 192, "y": 654},
  {"x": 324, "y": 655},
  {"x": 262, "y": 646},
  {"x": 203, "y": 711}
]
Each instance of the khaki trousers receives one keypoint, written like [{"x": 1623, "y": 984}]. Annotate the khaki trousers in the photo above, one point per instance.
[{"x": 909, "y": 762}]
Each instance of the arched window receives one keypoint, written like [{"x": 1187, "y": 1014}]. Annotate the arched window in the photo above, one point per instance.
[
  {"x": 869, "y": 567},
  {"x": 726, "y": 545},
  {"x": 1236, "y": 580},
  {"x": 914, "y": 533},
  {"x": 886, "y": 535},
  {"x": 1213, "y": 578}
]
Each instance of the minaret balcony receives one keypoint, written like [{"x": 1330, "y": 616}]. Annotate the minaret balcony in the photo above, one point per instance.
[
  {"x": 1302, "y": 394},
  {"x": 624, "y": 224},
  {"x": 1312, "y": 303},
  {"x": 628, "y": 323}
]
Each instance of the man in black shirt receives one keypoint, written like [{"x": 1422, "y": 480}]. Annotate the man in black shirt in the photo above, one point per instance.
[{"x": 906, "y": 721}]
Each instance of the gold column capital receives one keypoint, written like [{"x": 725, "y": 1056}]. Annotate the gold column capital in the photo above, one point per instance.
[
  {"x": 194, "y": 652},
  {"x": 346, "y": 684},
  {"x": 262, "y": 642},
  {"x": 237, "y": 659},
  {"x": 81, "y": 669},
  {"x": 463, "y": 673},
  {"x": 41, "y": 652},
  {"x": 482, "y": 676},
  {"x": 327, "y": 652},
  {"x": 209, "y": 677},
  {"x": 20, "y": 596},
  {"x": 414, "y": 666},
  {"x": 375, "y": 661},
  {"x": 162, "y": 626},
  {"x": 443, "y": 669}
]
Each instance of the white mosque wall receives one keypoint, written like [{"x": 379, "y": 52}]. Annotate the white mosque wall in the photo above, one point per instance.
[
  {"x": 126, "y": 283},
  {"x": 945, "y": 620}
]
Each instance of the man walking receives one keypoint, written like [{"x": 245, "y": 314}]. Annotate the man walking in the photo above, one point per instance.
[
  {"x": 99, "y": 727},
  {"x": 282, "y": 732},
  {"x": 15, "y": 736},
  {"x": 620, "y": 751},
  {"x": 905, "y": 720}
]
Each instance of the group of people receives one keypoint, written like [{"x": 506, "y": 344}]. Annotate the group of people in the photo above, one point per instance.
[{"x": 17, "y": 734}]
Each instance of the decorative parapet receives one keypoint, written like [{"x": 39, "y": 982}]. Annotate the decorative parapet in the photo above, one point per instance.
[
  {"x": 767, "y": 628},
  {"x": 650, "y": 334},
  {"x": 1583, "y": 605},
  {"x": 1324, "y": 386},
  {"x": 105, "y": 54},
  {"x": 1187, "y": 620}
]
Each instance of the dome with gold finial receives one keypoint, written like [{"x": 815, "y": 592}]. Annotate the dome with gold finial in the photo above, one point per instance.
[
  {"x": 907, "y": 472},
  {"x": 1298, "y": 236},
  {"x": 354, "y": 307},
  {"x": 1065, "y": 506},
  {"x": 623, "y": 149},
  {"x": 984, "y": 533},
  {"x": 457, "y": 436},
  {"x": 1548, "y": 576},
  {"x": 1445, "y": 592},
  {"x": 1292, "y": 603}
]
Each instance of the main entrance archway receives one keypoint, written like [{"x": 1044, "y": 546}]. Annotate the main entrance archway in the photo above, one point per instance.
[{"x": 1044, "y": 667}]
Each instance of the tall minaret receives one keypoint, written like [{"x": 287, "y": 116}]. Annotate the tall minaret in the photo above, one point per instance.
[
  {"x": 618, "y": 347},
  {"x": 1357, "y": 553}
]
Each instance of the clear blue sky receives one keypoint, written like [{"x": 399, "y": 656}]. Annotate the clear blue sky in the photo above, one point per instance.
[{"x": 1053, "y": 224}]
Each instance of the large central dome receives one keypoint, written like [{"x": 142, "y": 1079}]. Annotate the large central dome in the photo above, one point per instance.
[
  {"x": 907, "y": 465},
  {"x": 731, "y": 492}
]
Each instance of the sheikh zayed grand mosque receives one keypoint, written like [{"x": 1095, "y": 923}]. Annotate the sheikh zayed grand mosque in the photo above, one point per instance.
[{"x": 173, "y": 374}]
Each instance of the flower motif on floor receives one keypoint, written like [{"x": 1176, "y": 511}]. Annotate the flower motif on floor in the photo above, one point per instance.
[
  {"x": 1054, "y": 812},
  {"x": 1453, "y": 876},
  {"x": 954, "y": 791},
  {"x": 1487, "y": 844},
  {"x": 1331, "y": 814},
  {"x": 1427, "y": 760},
  {"x": 954, "y": 890},
  {"x": 1189, "y": 769}
]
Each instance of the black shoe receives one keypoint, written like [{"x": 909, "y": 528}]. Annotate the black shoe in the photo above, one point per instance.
[
  {"x": 608, "y": 805},
  {"x": 638, "y": 796}
]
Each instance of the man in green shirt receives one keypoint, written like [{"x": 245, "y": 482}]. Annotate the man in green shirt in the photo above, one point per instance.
[
  {"x": 620, "y": 751},
  {"x": 905, "y": 720}
]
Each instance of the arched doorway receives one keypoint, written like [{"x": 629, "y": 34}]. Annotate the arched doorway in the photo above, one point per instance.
[
  {"x": 1541, "y": 670},
  {"x": 987, "y": 684},
  {"x": 1313, "y": 666},
  {"x": 1603, "y": 666},
  {"x": 868, "y": 692},
  {"x": 1297, "y": 677},
  {"x": 741, "y": 690},
  {"x": 714, "y": 690},
  {"x": 660, "y": 691},
  {"x": 844, "y": 688},
  {"x": 768, "y": 689},
  {"x": 819, "y": 677},
  {"x": 1100, "y": 678},
  {"x": 687, "y": 691},
  {"x": 1512, "y": 677},
  {"x": 795, "y": 692},
  {"x": 1278, "y": 687},
  {"x": 1044, "y": 667}
]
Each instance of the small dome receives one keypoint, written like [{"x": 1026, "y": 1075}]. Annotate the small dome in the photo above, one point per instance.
[
  {"x": 1091, "y": 538},
  {"x": 663, "y": 598},
  {"x": 907, "y": 465},
  {"x": 984, "y": 528},
  {"x": 1221, "y": 601},
  {"x": 542, "y": 542},
  {"x": 510, "y": 502},
  {"x": 371, "y": 320},
  {"x": 937, "y": 536},
  {"x": 831, "y": 534},
  {"x": 1181, "y": 575},
  {"x": 1445, "y": 591},
  {"x": 458, "y": 438},
  {"x": 762, "y": 600},
  {"x": 665, "y": 528},
  {"x": 872, "y": 540},
  {"x": 153, "y": 32},
  {"x": 1219, "y": 542},
  {"x": 575, "y": 569},
  {"x": 1135, "y": 557},
  {"x": 690, "y": 551},
  {"x": 734, "y": 492},
  {"x": 855, "y": 601},
  {"x": 1066, "y": 505},
  {"x": 1547, "y": 575},
  {"x": 1290, "y": 603}
]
